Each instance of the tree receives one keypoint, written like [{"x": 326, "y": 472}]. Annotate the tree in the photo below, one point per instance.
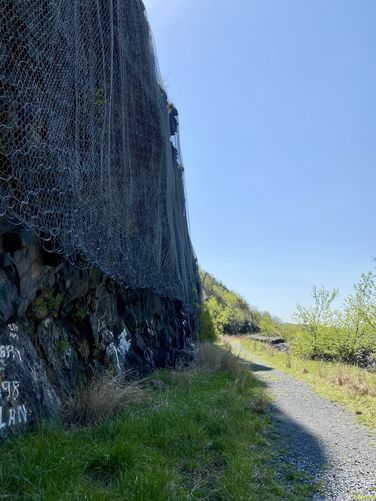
[
  {"x": 359, "y": 318},
  {"x": 320, "y": 317}
]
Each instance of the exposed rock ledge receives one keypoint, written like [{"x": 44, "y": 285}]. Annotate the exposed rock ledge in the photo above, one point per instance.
[{"x": 61, "y": 326}]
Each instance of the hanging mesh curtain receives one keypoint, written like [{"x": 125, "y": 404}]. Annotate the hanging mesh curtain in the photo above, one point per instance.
[{"x": 89, "y": 150}]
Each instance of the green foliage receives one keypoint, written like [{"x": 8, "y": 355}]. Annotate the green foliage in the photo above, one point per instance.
[
  {"x": 358, "y": 321},
  {"x": 288, "y": 331},
  {"x": 347, "y": 334},
  {"x": 198, "y": 437},
  {"x": 229, "y": 312},
  {"x": 207, "y": 330},
  {"x": 47, "y": 303},
  {"x": 79, "y": 314},
  {"x": 313, "y": 318},
  {"x": 63, "y": 344},
  {"x": 317, "y": 325},
  {"x": 270, "y": 326}
]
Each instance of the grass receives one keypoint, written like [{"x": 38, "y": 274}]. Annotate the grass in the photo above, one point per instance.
[
  {"x": 345, "y": 384},
  {"x": 99, "y": 400},
  {"x": 199, "y": 434}
]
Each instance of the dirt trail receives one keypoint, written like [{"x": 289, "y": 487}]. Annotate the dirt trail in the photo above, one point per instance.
[{"x": 319, "y": 437}]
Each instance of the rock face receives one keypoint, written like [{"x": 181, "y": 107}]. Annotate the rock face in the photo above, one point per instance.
[{"x": 60, "y": 326}]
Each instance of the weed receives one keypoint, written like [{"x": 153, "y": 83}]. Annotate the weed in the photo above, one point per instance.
[
  {"x": 63, "y": 344},
  {"x": 47, "y": 303},
  {"x": 79, "y": 314}
]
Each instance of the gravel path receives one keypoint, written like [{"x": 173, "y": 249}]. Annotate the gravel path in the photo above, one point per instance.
[{"x": 320, "y": 438}]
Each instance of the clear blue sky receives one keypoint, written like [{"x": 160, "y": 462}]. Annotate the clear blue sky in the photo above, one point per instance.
[{"x": 277, "y": 102}]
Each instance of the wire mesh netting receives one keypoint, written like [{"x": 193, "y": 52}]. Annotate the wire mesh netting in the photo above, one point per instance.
[{"x": 89, "y": 149}]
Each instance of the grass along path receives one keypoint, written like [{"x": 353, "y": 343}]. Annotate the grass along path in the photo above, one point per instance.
[
  {"x": 344, "y": 384},
  {"x": 334, "y": 448},
  {"x": 199, "y": 434}
]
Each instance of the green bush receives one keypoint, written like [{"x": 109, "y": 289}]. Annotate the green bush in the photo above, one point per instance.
[
  {"x": 207, "y": 330},
  {"x": 348, "y": 334}
]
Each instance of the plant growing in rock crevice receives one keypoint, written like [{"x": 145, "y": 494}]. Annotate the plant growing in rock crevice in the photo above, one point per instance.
[
  {"x": 79, "y": 314},
  {"x": 47, "y": 303}
]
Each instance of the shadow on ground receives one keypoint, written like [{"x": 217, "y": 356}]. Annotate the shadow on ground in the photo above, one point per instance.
[
  {"x": 297, "y": 448},
  {"x": 259, "y": 367}
]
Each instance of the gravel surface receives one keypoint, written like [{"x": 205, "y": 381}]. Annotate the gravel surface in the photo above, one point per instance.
[{"x": 320, "y": 438}]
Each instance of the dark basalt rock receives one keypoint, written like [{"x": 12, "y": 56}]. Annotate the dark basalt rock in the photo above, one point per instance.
[{"x": 60, "y": 326}]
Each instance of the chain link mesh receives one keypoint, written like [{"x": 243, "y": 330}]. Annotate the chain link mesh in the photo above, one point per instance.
[{"x": 89, "y": 148}]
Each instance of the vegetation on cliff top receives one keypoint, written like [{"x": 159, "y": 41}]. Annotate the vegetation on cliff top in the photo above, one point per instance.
[{"x": 224, "y": 311}]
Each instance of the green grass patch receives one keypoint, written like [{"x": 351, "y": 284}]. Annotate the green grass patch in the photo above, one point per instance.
[
  {"x": 345, "y": 384},
  {"x": 199, "y": 434}
]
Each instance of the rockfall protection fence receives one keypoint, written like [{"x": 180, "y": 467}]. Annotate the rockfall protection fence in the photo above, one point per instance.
[{"x": 89, "y": 150}]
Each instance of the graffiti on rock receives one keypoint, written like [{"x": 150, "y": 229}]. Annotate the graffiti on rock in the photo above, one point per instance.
[
  {"x": 12, "y": 413},
  {"x": 9, "y": 352},
  {"x": 11, "y": 416}
]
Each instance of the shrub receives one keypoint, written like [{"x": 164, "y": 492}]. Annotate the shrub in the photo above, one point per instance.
[
  {"x": 207, "y": 330},
  {"x": 348, "y": 335}
]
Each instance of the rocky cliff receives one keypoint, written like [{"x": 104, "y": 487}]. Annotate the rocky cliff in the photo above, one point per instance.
[
  {"x": 61, "y": 326},
  {"x": 90, "y": 164}
]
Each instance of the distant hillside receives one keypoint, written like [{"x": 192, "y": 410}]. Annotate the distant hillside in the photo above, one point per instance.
[{"x": 225, "y": 311}]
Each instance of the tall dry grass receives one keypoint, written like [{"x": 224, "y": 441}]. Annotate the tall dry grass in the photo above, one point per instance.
[
  {"x": 211, "y": 358},
  {"x": 357, "y": 380},
  {"x": 351, "y": 377},
  {"x": 102, "y": 399}
]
